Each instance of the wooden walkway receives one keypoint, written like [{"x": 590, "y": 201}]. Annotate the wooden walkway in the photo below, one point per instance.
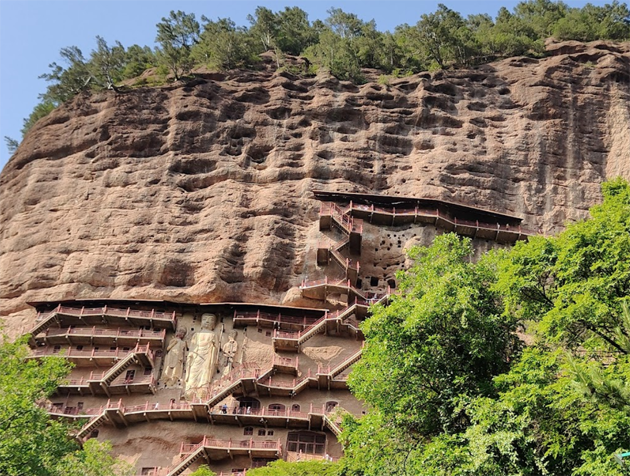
[
  {"x": 118, "y": 336},
  {"x": 334, "y": 321},
  {"x": 112, "y": 381},
  {"x": 101, "y": 316},
  {"x": 212, "y": 449},
  {"x": 395, "y": 216},
  {"x": 322, "y": 288},
  {"x": 248, "y": 381}
]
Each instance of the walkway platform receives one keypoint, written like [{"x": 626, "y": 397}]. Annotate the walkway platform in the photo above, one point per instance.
[
  {"x": 115, "y": 336},
  {"x": 331, "y": 322},
  {"x": 394, "y": 211},
  {"x": 323, "y": 288}
]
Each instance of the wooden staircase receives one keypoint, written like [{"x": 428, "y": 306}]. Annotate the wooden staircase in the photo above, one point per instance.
[
  {"x": 322, "y": 288},
  {"x": 92, "y": 425},
  {"x": 336, "y": 429},
  {"x": 223, "y": 393},
  {"x": 43, "y": 322},
  {"x": 331, "y": 215},
  {"x": 345, "y": 364},
  {"x": 292, "y": 341},
  {"x": 187, "y": 461}
]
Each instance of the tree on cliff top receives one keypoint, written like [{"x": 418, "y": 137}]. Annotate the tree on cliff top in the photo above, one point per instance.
[
  {"x": 176, "y": 36},
  {"x": 344, "y": 45}
]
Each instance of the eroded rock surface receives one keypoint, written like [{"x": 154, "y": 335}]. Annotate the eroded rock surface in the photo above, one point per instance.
[{"x": 203, "y": 192}]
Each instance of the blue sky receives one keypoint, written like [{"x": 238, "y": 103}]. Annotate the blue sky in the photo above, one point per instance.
[{"x": 33, "y": 31}]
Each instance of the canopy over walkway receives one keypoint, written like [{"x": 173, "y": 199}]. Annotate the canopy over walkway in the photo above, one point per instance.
[{"x": 462, "y": 219}]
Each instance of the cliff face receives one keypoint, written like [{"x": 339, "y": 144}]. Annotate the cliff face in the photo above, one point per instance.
[{"x": 203, "y": 192}]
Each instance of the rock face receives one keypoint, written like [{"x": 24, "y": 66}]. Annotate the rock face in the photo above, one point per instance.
[{"x": 203, "y": 192}]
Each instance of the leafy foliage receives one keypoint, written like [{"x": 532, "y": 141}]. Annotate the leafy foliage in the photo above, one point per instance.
[
  {"x": 31, "y": 444},
  {"x": 343, "y": 44},
  {"x": 574, "y": 285},
  {"x": 203, "y": 470},
  {"x": 11, "y": 143},
  {"x": 300, "y": 468},
  {"x": 562, "y": 406},
  {"x": 176, "y": 35},
  {"x": 441, "y": 340},
  {"x": 223, "y": 45},
  {"x": 95, "y": 460}
]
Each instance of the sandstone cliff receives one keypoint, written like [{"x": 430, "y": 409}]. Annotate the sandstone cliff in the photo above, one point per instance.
[{"x": 203, "y": 192}]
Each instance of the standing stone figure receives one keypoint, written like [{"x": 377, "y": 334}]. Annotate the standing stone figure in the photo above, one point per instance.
[
  {"x": 229, "y": 351},
  {"x": 174, "y": 360},
  {"x": 202, "y": 357}
]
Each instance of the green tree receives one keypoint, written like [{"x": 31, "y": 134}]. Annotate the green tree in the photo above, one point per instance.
[
  {"x": 508, "y": 36},
  {"x": 176, "y": 35},
  {"x": 95, "y": 459},
  {"x": 442, "y": 339},
  {"x": 339, "y": 45},
  {"x": 69, "y": 81},
  {"x": 30, "y": 443},
  {"x": 540, "y": 16},
  {"x": 564, "y": 405},
  {"x": 611, "y": 21},
  {"x": 223, "y": 45},
  {"x": 137, "y": 60},
  {"x": 371, "y": 47},
  {"x": 574, "y": 285},
  {"x": 203, "y": 470},
  {"x": 300, "y": 468},
  {"x": 264, "y": 27},
  {"x": 411, "y": 53},
  {"x": 12, "y": 144},
  {"x": 40, "y": 110},
  {"x": 445, "y": 38},
  {"x": 295, "y": 33},
  {"x": 107, "y": 63}
]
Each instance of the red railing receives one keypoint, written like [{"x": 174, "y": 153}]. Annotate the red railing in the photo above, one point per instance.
[
  {"x": 47, "y": 315},
  {"x": 116, "y": 312},
  {"x": 348, "y": 223},
  {"x": 112, "y": 353},
  {"x": 139, "y": 380},
  {"x": 156, "y": 406},
  {"x": 230, "y": 379},
  {"x": 187, "y": 449},
  {"x": 270, "y": 382},
  {"x": 271, "y": 317},
  {"x": 328, "y": 369},
  {"x": 118, "y": 332},
  {"x": 286, "y": 335},
  {"x": 325, "y": 281},
  {"x": 515, "y": 230},
  {"x": 296, "y": 335},
  {"x": 361, "y": 298},
  {"x": 284, "y": 361}
]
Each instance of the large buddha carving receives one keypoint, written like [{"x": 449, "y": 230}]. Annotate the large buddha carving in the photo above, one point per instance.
[
  {"x": 174, "y": 360},
  {"x": 229, "y": 350},
  {"x": 203, "y": 357}
]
